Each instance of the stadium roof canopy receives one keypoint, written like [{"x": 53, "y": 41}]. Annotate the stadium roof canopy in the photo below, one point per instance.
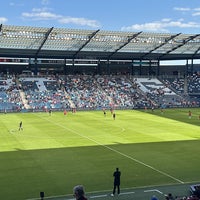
[{"x": 59, "y": 43}]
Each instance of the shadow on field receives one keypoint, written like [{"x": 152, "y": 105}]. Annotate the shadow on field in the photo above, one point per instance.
[{"x": 24, "y": 173}]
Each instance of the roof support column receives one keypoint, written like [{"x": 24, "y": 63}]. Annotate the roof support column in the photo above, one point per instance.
[
  {"x": 140, "y": 73},
  {"x": 192, "y": 67},
  {"x": 132, "y": 71},
  {"x": 108, "y": 67},
  {"x": 65, "y": 67},
  {"x": 35, "y": 67},
  {"x": 98, "y": 67},
  {"x": 158, "y": 69}
]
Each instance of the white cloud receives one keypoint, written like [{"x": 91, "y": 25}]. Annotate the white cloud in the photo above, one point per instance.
[
  {"x": 3, "y": 20},
  {"x": 79, "y": 21},
  {"x": 161, "y": 26},
  {"x": 166, "y": 24},
  {"x": 152, "y": 27},
  {"x": 196, "y": 14},
  {"x": 166, "y": 20},
  {"x": 40, "y": 15},
  {"x": 16, "y": 4},
  {"x": 44, "y": 9},
  {"x": 44, "y": 14},
  {"x": 182, "y": 9},
  {"x": 194, "y": 11}
]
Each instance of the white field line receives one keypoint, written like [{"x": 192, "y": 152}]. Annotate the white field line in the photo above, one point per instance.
[
  {"x": 116, "y": 151},
  {"x": 91, "y": 197},
  {"x": 50, "y": 197},
  {"x": 98, "y": 196},
  {"x": 132, "y": 188},
  {"x": 125, "y": 193},
  {"x": 154, "y": 191}
]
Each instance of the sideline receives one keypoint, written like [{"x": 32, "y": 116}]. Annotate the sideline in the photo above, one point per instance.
[
  {"x": 154, "y": 190},
  {"x": 104, "y": 193}
]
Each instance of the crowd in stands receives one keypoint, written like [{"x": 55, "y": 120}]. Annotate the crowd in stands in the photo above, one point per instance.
[
  {"x": 189, "y": 197},
  {"x": 183, "y": 87},
  {"x": 97, "y": 92},
  {"x": 10, "y": 98},
  {"x": 85, "y": 92},
  {"x": 43, "y": 93},
  {"x": 194, "y": 84},
  {"x": 159, "y": 92},
  {"x": 170, "y": 196},
  {"x": 176, "y": 83},
  {"x": 123, "y": 91}
]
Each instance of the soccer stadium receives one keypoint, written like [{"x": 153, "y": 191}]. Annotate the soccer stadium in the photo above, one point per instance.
[{"x": 77, "y": 104}]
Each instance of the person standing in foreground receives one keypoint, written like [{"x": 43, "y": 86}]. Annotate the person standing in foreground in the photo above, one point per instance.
[
  {"x": 116, "y": 175},
  {"x": 79, "y": 193}
]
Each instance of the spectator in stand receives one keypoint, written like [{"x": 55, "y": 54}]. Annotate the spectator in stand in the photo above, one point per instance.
[
  {"x": 79, "y": 192},
  {"x": 169, "y": 197},
  {"x": 193, "y": 197}
]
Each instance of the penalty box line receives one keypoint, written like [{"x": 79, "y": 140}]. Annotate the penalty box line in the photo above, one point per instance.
[{"x": 116, "y": 151}]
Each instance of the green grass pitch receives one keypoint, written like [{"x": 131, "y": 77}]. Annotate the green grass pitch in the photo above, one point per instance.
[{"x": 54, "y": 153}]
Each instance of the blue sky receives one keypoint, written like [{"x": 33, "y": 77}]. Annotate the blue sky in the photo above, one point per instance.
[{"x": 157, "y": 16}]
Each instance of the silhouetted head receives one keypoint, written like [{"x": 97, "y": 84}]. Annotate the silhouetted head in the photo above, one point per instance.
[{"x": 78, "y": 191}]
